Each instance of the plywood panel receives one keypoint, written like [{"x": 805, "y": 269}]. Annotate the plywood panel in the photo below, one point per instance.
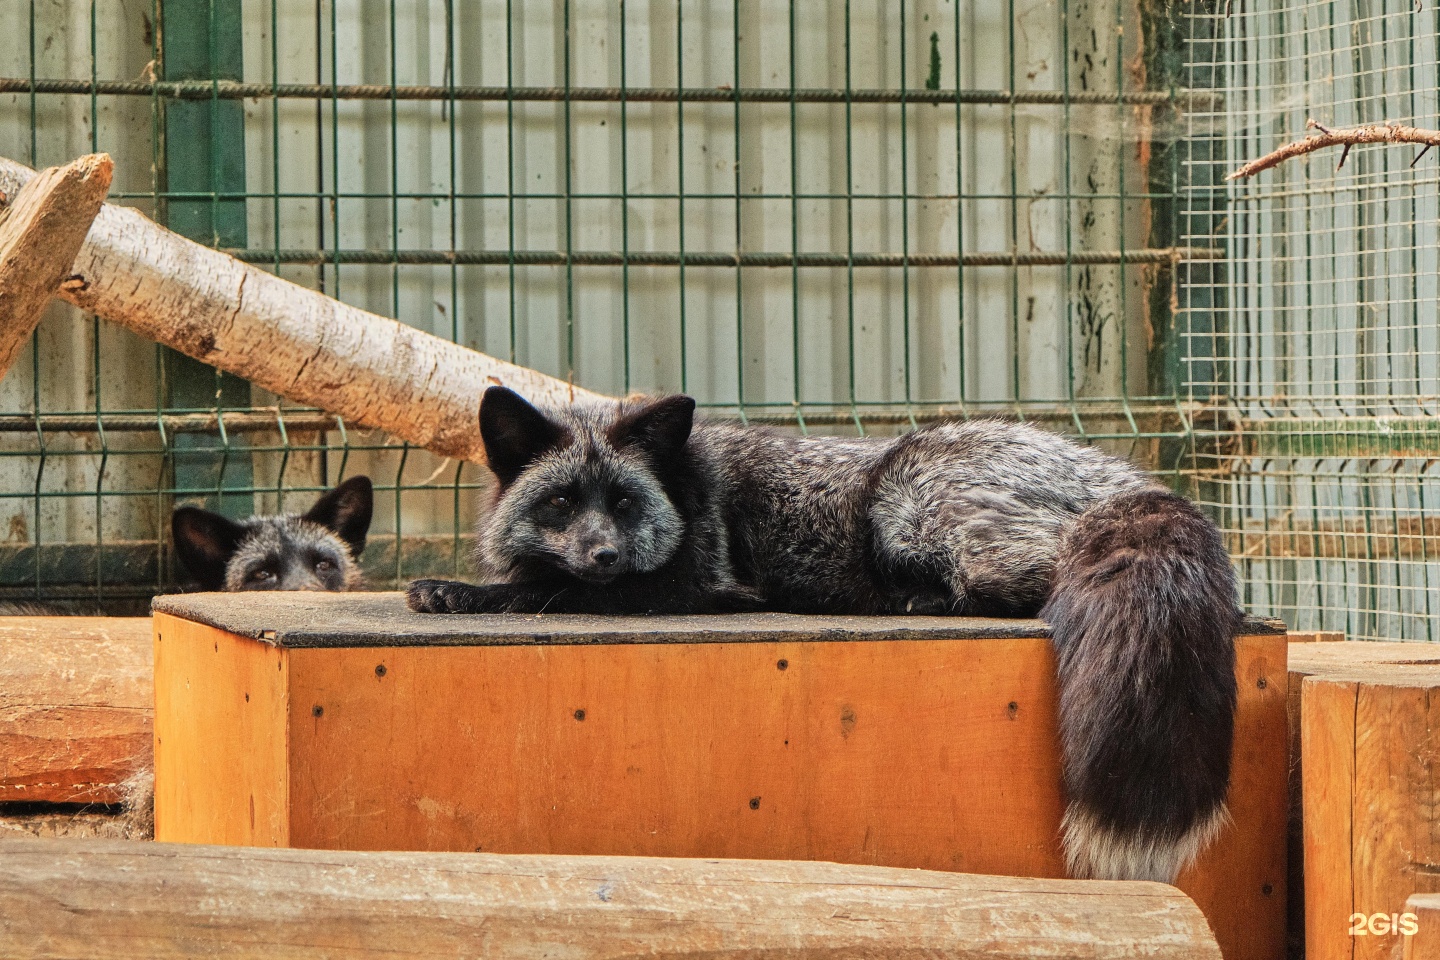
[
  {"x": 1327, "y": 743},
  {"x": 1240, "y": 882},
  {"x": 221, "y": 771},
  {"x": 75, "y": 720},
  {"x": 938, "y": 755}
]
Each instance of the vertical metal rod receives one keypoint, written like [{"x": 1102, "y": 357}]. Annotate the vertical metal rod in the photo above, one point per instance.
[
  {"x": 680, "y": 178},
  {"x": 1013, "y": 156},
  {"x": 905, "y": 214},
  {"x": 960, "y": 332},
  {"x": 849, "y": 214},
  {"x": 625, "y": 195},
  {"x": 796, "y": 390},
  {"x": 510, "y": 163},
  {"x": 569, "y": 215},
  {"x": 739, "y": 229}
]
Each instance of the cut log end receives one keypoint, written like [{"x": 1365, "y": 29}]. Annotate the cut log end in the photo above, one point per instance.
[{"x": 41, "y": 231}]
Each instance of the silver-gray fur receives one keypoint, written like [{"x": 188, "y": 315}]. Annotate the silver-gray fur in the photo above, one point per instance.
[
  {"x": 630, "y": 507},
  {"x": 318, "y": 550}
]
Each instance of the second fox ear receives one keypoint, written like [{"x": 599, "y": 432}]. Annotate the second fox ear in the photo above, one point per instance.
[
  {"x": 346, "y": 510},
  {"x": 205, "y": 542},
  {"x": 661, "y": 427},
  {"x": 514, "y": 432}
]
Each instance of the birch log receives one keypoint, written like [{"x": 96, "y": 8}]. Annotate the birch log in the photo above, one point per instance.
[
  {"x": 107, "y": 900},
  {"x": 40, "y": 234},
  {"x": 300, "y": 344}
]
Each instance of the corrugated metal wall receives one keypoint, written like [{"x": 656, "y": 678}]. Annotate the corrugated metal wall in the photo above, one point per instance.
[{"x": 817, "y": 211}]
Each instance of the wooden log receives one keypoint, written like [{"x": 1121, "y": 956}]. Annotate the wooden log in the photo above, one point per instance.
[
  {"x": 1369, "y": 758},
  {"x": 1356, "y": 657},
  {"x": 923, "y": 742},
  {"x": 109, "y": 901},
  {"x": 1318, "y": 636},
  {"x": 40, "y": 234},
  {"x": 1333, "y": 658},
  {"x": 300, "y": 344},
  {"x": 76, "y": 708},
  {"x": 1424, "y": 919},
  {"x": 86, "y": 822}
]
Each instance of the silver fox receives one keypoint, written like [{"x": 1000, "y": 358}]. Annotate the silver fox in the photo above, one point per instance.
[
  {"x": 317, "y": 551},
  {"x": 632, "y": 507}
]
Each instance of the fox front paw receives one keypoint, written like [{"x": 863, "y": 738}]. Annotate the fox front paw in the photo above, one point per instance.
[{"x": 446, "y": 596}]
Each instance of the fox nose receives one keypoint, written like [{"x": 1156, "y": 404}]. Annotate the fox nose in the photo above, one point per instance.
[{"x": 605, "y": 556}]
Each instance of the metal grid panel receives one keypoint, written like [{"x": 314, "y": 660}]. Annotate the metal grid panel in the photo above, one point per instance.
[
  {"x": 1329, "y": 349},
  {"x": 836, "y": 216}
]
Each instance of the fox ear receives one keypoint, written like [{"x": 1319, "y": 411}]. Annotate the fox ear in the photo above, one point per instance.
[
  {"x": 205, "y": 542},
  {"x": 514, "y": 432},
  {"x": 346, "y": 510},
  {"x": 661, "y": 427}
]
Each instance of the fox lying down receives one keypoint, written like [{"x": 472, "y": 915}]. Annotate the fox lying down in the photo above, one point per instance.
[{"x": 632, "y": 507}]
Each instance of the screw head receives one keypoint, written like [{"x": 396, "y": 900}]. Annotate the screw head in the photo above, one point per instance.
[
  {"x": 317, "y": 710},
  {"x": 781, "y": 664},
  {"x": 579, "y": 714},
  {"x": 754, "y": 803},
  {"x": 380, "y": 670}
]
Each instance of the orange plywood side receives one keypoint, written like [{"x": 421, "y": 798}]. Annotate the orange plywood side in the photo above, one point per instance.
[
  {"x": 220, "y": 737},
  {"x": 918, "y": 754},
  {"x": 1327, "y": 743},
  {"x": 1240, "y": 882}
]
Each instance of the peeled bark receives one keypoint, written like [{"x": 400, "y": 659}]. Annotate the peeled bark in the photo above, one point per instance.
[{"x": 300, "y": 344}]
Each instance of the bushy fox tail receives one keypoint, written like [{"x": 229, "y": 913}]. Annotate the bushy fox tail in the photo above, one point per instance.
[{"x": 1144, "y": 616}]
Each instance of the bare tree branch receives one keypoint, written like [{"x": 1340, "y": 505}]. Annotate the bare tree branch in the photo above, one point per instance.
[{"x": 1349, "y": 137}]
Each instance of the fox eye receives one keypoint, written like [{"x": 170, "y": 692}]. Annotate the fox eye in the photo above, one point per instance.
[
  {"x": 622, "y": 504},
  {"x": 262, "y": 576},
  {"x": 560, "y": 503},
  {"x": 324, "y": 566}
]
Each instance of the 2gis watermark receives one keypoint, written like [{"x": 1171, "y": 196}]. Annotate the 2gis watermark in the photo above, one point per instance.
[{"x": 1383, "y": 924}]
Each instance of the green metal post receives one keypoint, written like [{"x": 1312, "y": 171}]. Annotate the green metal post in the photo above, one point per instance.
[{"x": 204, "y": 176}]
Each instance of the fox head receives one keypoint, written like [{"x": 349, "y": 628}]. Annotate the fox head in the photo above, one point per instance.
[
  {"x": 583, "y": 492},
  {"x": 317, "y": 551}
]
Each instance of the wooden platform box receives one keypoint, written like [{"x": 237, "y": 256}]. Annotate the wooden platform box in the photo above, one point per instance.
[
  {"x": 1371, "y": 800},
  {"x": 346, "y": 722}
]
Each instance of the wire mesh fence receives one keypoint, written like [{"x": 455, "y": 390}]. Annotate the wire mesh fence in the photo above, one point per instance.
[
  {"x": 834, "y": 216},
  {"x": 1330, "y": 336}
]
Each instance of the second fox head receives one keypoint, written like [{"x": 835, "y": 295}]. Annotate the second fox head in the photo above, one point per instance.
[{"x": 319, "y": 550}]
